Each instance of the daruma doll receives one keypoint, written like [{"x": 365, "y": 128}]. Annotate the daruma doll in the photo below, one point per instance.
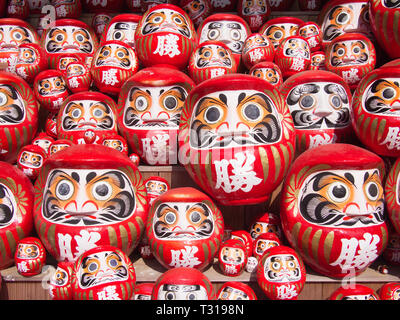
[
  {"x": 87, "y": 196},
  {"x": 236, "y": 138},
  {"x": 332, "y": 209},
  {"x": 184, "y": 229}
]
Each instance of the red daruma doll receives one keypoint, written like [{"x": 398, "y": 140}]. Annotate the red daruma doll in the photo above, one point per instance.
[
  {"x": 184, "y": 229},
  {"x": 18, "y": 115},
  {"x": 32, "y": 59},
  {"x": 16, "y": 197},
  {"x": 103, "y": 273},
  {"x": 232, "y": 257},
  {"x": 183, "y": 284},
  {"x": 254, "y": 12},
  {"x": 78, "y": 77},
  {"x": 31, "y": 159},
  {"x": 60, "y": 283},
  {"x": 354, "y": 292},
  {"x": 231, "y": 130},
  {"x": 165, "y": 34},
  {"x": 269, "y": 71},
  {"x": 149, "y": 111},
  {"x": 88, "y": 196},
  {"x": 257, "y": 48},
  {"x": 30, "y": 257},
  {"x": 281, "y": 273},
  {"x": 333, "y": 205}
]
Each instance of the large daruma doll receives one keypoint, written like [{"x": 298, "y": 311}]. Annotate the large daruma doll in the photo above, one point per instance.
[
  {"x": 16, "y": 202},
  {"x": 69, "y": 36},
  {"x": 19, "y": 112},
  {"x": 376, "y": 109},
  {"x": 332, "y": 209},
  {"x": 86, "y": 196},
  {"x": 165, "y": 35},
  {"x": 149, "y": 111},
  {"x": 320, "y": 105},
  {"x": 236, "y": 138},
  {"x": 184, "y": 229}
]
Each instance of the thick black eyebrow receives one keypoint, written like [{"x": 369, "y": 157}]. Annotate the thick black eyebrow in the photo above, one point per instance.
[
  {"x": 121, "y": 26},
  {"x": 234, "y": 25},
  {"x": 367, "y": 176},
  {"x": 215, "y": 25},
  {"x": 349, "y": 176}
]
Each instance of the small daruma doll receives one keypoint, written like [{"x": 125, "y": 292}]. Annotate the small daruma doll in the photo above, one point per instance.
[
  {"x": 385, "y": 32},
  {"x": 320, "y": 105},
  {"x": 317, "y": 60},
  {"x": 122, "y": 27},
  {"x": 87, "y": 196},
  {"x": 234, "y": 290},
  {"x": 197, "y": 10},
  {"x": 266, "y": 223},
  {"x": 156, "y": 186},
  {"x": 116, "y": 142},
  {"x": 333, "y": 206},
  {"x": 351, "y": 56},
  {"x": 30, "y": 257},
  {"x": 183, "y": 283},
  {"x": 59, "y": 145},
  {"x": 292, "y": 56},
  {"x": 78, "y": 77},
  {"x": 231, "y": 130},
  {"x": 30, "y": 160},
  {"x": 149, "y": 111},
  {"x": 255, "y": 12},
  {"x": 312, "y": 33},
  {"x": 19, "y": 111},
  {"x": 32, "y": 59},
  {"x": 390, "y": 291},
  {"x": 16, "y": 197},
  {"x": 228, "y": 28},
  {"x": 257, "y": 48},
  {"x": 281, "y": 273},
  {"x": 69, "y": 36},
  {"x": 86, "y": 114},
  {"x": 50, "y": 89},
  {"x": 211, "y": 59},
  {"x": 232, "y": 257},
  {"x": 354, "y": 292},
  {"x": 113, "y": 63},
  {"x": 43, "y": 140},
  {"x": 103, "y": 273},
  {"x": 165, "y": 34},
  {"x": 67, "y": 8},
  {"x": 269, "y": 71},
  {"x": 263, "y": 242},
  {"x": 184, "y": 221},
  {"x": 60, "y": 287},
  {"x": 376, "y": 109}
]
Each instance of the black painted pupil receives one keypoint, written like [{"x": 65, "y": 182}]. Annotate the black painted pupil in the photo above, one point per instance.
[
  {"x": 252, "y": 112},
  {"x": 113, "y": 263},
  {"x": 92, "y": 267},
  {"x": 64, "y": 189},
  {"x": 170, "y": 102},
  {"x": 307, "y": 101},
  {"x": 170, "y": 218},
  {"x": 170, "y": 296},
  {"x": 388, "y": 93},
  {"x": 212, "y": 114},
  {"x": 336, "y": 102},
  {"x": 118, "y": 35},
  {"x": 102, "y": 190},
  {"x": 342, "y": 17},
  {"x": 192, "y": 296},
  {"x": 195, "y": 217},
  {"x": 60, "y": 38},
  {"x": 339, "y": 192},
  {"x": 278, "y": 35},
  {"x": 373, "y": 190}
]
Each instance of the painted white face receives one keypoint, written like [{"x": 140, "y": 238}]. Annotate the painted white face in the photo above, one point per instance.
[
  {"x": 155, "y": 108},
  {"x": 359, "y": 297},
  {"x": 382, "y": 97},
  {"x": 256, "y": 41},
  {"x": 69, "y": 39},
  {"x": 114, "y": 55},
  {"x": 43, "y": 143},
  {"x": 166, "y": 20},
  {"x": 85, "y": 197},
  {"x": 346, "y": 18},
  {"x": 232, "y": 256},
  {"x": 183, "y": 221},
  {"x": 27, "y": 55},
  {"x": 282, "y": 268},
  {"x": 308, "y": 31},
  {"x": 122, "y": 31},
  {"x": 75, "y": 69},
  {"x": 227, "y": 119},
  {"x": 27, "y": 251},
  {"x": 101, "y": 268},
  {"x": 277, "y": 32},
  {"x": 60, "y": 277},
  {"x": 51, "y": 86},
  {"x": 319, "y": 105},
  {"x": 343, "y": 198},
  {"x": 12, "y": 106},
  {"x": 81, "y": 115},
  {"x": 230, "y": 293},
  {"x": 232, "y": 33},
  {"x": 212, "y": 56},
  {"x": 264, "y": 244},
  {"x": 8, "y": 206},
  {"x": 182, "y": 292},
  {"x": 269, "y": 74},
  {"x": 260, "y": 227},
  {"x": 297, "y": 48},
  {"x": 31, "y": 159},
  {"x": 155, "y": 187},
  {"x": 349, "y": 53},
  {"x": 11, "y": 36}
]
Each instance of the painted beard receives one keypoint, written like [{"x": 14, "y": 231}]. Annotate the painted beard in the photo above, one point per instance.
[
  {"x": 7, "y": 206},
  {"x": 201, "y": 228},
  {"x": 108, "y": 193},
  {"x": 379, "y": 95},
  {"x": 133, "y": 120},
  {"x": 14, "y": 112},
  {"x": 327, "y": 208},
  {"x": 202, "y": 61},
  {"x": 89, "y": 278},
  {"x": 392, "y": 4},
  {"x": 285, "y": 275}
]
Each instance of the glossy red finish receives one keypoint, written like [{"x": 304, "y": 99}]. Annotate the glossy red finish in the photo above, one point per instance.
[
  {"x": 257, "y": 48},
  {"x": 30, "y": 160},
  {"x": 234, "y": 290},
  {"x": 354, "y": 292},
  {"x": 389, "y": 291},
  {"x": 32, "y": 59},
  {"x": 269, "y": 71},
  {"x": 30, "y": 256},
  {"x": 256, "y": 13},
  {"x": 232, "y": 257},
  {"x": 60, "y": 287}
]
